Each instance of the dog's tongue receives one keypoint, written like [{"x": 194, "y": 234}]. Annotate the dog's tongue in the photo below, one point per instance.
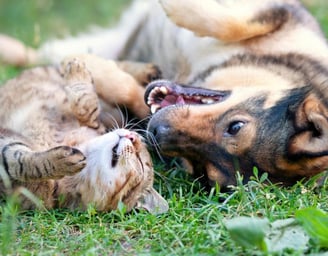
[{"x": 172, "y": 100}]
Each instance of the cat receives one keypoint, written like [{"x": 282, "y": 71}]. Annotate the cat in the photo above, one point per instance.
[{"x": 53, "y": 138}]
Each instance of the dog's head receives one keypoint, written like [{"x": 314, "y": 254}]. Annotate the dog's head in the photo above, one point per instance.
[{"x": 265, "y": 112}]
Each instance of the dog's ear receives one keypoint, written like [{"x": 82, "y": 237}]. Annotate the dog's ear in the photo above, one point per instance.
[{"x": 312, "y": 123}]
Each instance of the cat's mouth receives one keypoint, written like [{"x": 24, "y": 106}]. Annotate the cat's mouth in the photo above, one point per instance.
[
  {"x": 126, "y": 147},
  {"x": 115, "y": 155}
]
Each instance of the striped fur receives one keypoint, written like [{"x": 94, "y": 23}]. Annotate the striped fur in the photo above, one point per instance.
[{"x": 53, "y": 142}]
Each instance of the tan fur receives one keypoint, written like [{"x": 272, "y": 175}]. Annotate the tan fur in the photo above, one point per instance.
[{"x": 46, "y": 112}]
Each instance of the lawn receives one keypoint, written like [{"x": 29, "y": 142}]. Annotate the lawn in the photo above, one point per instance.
[{"x": 195, "y": 223}]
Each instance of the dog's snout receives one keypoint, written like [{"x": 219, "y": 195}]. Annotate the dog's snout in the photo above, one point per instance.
[{"x": 160, "y": 130}]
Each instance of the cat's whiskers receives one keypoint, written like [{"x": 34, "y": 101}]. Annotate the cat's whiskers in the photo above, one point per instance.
[
  {"x": 115, "y": 124},
  {"x": 134, "y": 125},
  {"x": 124, "y": 116}
]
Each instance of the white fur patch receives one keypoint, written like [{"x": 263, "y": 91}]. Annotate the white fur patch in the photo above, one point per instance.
[{"x": 99, "y": 152}]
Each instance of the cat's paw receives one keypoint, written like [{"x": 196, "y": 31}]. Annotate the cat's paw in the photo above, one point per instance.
[
  {"x": 81, "y": 93},
  {"x": 75, "y": 71},
  {"x": 65, "y": 161},
  {"x": 85, "y": 106}
]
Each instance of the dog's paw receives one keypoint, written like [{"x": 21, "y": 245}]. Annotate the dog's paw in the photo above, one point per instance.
[
  {"x": 151, "y": 73},
  {"x": 143, "y": 73}
]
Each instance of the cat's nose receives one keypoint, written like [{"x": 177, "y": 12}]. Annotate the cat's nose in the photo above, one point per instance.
[
  {"x": 131, "y": 136},
  {"x": 124, "y": 133}
]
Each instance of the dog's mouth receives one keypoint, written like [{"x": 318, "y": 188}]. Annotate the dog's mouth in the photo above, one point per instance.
[{"x": 162, "y": 93}]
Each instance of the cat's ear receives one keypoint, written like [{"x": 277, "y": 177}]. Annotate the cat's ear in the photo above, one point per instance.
[{"x": 153, "y": 202}]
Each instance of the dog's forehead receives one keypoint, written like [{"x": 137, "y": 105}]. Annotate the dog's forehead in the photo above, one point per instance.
[
  {"x": 251, "y": 76},
  {"x": 247, "y": 82}
]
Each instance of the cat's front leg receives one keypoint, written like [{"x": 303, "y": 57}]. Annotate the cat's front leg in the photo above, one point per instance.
[
  {"x": 119, "y": 83},
  {"x": 23, "y": 164},
  {"x": 80, "y": 91}
]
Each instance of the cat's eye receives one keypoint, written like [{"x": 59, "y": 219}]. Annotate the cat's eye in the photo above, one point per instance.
[{"x": 234, "y": 127}]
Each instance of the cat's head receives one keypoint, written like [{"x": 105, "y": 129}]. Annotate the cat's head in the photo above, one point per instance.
[{"x": 119, "y": 169}]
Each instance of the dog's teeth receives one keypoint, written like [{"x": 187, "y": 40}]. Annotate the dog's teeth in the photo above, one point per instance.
[
  {"x": 207, "y": 101},
  {"x": 163, "y": 89},
  {"x": 153, "y": 92},
  {"x": 154, "y": 108}
]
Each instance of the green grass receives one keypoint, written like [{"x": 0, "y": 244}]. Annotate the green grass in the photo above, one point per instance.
[{"x": 194, "y": 223}]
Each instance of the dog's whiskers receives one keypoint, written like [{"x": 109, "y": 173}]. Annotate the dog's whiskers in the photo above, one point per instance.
[{"x": 153, "y": 142}]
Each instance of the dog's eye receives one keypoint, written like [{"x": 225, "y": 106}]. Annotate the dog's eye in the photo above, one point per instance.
[{"x": 235, "y": 127}]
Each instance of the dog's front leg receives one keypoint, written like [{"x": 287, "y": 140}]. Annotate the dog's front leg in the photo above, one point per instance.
[{"x": 228, "y": 21}]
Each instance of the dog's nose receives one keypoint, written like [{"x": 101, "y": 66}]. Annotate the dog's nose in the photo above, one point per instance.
[{"x": 159, "y": 131}]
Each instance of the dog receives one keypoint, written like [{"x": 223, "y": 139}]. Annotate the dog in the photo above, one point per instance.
[
  {"x": 247, "y": 84},
  {"x": 255, "y": 94}
]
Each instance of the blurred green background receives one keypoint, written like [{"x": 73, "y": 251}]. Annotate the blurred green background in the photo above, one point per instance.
[
  {"x": 33, "y": 21},
  {"x": 319, "y": 9}
]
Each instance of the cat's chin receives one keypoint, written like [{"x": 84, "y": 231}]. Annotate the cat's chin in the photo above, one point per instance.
[{"x": 114, "y": 170}]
